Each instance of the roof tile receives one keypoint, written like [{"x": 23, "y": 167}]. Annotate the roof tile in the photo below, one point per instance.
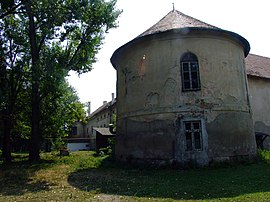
[
  {"x": 104, "y": 131},
  {"x": 258, "y": 66},
  {"x": 176, "y": 20}
]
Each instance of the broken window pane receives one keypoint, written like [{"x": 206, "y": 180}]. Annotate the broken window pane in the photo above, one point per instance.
[
  {"x": 195, "y": 84},
  {"x": 188, "y": 141},
  {"x": 193, "y": 66},
  {"x": 188, "y": 125},
  {"x": 187, "y": 85},
  {"x": 197, "y": 140},
  {"x": 185, "y": 67},
  {"x": 186, "y": 75},
  {"x": 196, "y": 125}
]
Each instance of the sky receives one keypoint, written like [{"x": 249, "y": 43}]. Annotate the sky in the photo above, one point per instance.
[{"x": 249, "y": 18}]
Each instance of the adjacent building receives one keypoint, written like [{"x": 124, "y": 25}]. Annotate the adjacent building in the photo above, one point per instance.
[
  {"x": 95, "y": 133},
  {"x": 100, "y": 118},
  {"x": 78, "y": 140},
  {"x": 258, "y": 73}
]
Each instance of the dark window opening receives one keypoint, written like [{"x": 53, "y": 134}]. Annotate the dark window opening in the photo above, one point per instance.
[
  {"x": 73, "y": 130},
  {"x": 190, "y": 72},
  {"x": 193, "y": 135}
]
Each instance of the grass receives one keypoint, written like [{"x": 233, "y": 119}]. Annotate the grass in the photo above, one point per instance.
[{"x": 84, "y": 177}]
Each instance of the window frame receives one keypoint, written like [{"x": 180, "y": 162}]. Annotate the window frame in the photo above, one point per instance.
[
  {"x": 190, "y": 72},
  {"x": 191, "y": 144}
]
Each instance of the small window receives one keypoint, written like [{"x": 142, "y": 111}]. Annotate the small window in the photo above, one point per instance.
[
  {"x": 74, "y": 130},
  {"x": 190, "y": 72},
  {"x": 193, "y": 135}
]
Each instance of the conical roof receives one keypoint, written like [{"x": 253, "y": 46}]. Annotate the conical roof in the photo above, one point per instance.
[
  {"x": 182, "y": 24},
  {"x": 176, "y": 20}
]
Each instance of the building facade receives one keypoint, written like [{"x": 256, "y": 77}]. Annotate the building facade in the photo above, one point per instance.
[
  {"x": 83, "y": 136},
  {"x": 100, "y": 118},
  {"x": 78, "y": 140},
  {"x": 182, "y": 94},
  {"x": 258, "y": 72}
]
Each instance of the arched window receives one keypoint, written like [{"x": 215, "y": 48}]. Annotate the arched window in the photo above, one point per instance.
[{"x": 190, "y": 72}]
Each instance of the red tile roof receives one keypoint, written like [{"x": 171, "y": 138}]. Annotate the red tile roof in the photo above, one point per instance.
[{"x": 258, "y": 66}]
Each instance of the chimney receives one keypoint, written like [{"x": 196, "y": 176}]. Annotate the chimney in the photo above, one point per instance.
[
  {"x": 104, "y": 102},
  {"x": 112, "y": 97},
  {"x": 88, "y": 108}
]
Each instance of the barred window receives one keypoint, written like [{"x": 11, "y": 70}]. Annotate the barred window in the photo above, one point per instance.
[{"x": 190, "y": 72}]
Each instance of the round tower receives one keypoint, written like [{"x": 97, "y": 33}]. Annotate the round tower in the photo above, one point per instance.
[{"x": 182, "y": 94}]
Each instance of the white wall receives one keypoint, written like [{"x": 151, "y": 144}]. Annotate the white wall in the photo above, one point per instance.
[{"x": 77, "y": 146}]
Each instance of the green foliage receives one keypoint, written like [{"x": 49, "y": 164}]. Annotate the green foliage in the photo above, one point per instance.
[
  {"x": 82, "y": 160},
  {"x": 109, "y": 150},
  {"x": 114, "y": 122},
  {"x": 41, "y": 41},
  {"x": 105, "y": 151},
  {"x": 59, "y": 111},
  {"x": 58, "y": 144},
  {"x": 264, "y": 155}
]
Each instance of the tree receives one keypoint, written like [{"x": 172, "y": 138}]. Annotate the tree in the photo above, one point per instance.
[
  {"x": 64, "y": 109},
  {"x": 70, "y": 31},
  {"x": 13, "y": 71}
]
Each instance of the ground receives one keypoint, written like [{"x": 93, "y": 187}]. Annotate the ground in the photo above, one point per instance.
[{"x": 83, "y": 176}]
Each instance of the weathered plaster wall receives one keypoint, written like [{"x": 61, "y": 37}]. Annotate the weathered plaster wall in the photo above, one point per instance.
[
  {"x": 259, "y": 89},
  {"x": 80, "y": 129},
  {"x": 151, "y": 104}
]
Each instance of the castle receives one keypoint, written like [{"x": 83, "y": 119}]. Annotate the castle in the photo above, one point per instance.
[{"x": 189, "y": 92}]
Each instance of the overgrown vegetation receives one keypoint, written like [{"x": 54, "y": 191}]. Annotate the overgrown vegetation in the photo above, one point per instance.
[
  {"x": 83, "y": 176},
  {"x": 264, "y": 156}
]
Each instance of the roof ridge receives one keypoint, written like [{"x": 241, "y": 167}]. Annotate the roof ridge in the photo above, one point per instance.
[
  {"x": 196, "y": 19},
  {"x": 108, "y": 104},
  {"x": 252, "y": 54},
  {"x": 176, "y": 20}
]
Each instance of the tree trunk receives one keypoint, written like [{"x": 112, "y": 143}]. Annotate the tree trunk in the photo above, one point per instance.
[
  {"x": 6, "y": 138},
  {"x": 5, "y": 111},
  {"x": 34, "y": 146},
  {"x": 35, "y": 120}
]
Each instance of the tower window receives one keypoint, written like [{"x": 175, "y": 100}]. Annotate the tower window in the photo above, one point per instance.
[
  {"x": 190, "y": 72},
  {"x": 193, "y": 135}
]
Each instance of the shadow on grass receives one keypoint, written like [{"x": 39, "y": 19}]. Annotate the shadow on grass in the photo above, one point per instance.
[
  {"x": 208, "y": 183},
  {"x": 16, "y": 178}
]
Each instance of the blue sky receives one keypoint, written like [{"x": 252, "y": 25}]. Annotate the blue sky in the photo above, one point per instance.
[{"x": 248, "y": 18}]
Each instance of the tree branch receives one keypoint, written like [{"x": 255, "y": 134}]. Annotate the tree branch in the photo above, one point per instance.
[
  {"x": 78, "y": 47},
  {"x": 3, "y": 15}
]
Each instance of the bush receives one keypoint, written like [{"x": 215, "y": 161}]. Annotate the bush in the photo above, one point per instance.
[{"x": 264, "y": 155}]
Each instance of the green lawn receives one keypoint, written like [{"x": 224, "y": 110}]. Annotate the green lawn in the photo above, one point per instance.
[{"x": 84, "y": 177}]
